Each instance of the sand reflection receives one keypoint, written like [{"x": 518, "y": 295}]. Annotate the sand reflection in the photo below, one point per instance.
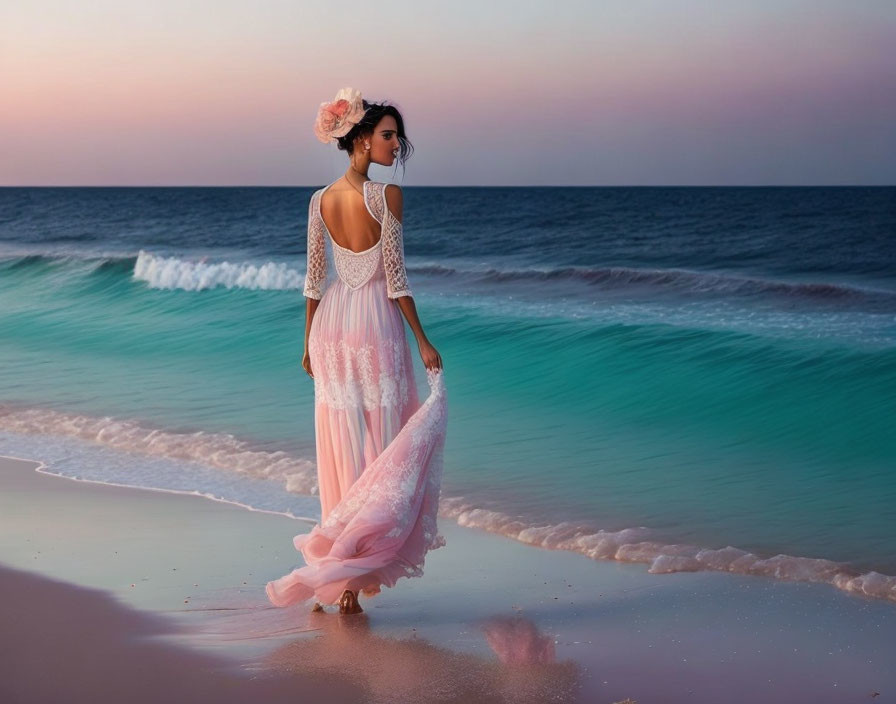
[{"x": 414, "y": 670}]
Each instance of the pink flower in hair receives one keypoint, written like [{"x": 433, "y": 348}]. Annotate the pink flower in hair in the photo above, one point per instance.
[{"x": 336, "y": 118}]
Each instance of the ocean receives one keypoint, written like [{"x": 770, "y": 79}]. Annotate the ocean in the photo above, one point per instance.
[{"x": 631, "y": 373}]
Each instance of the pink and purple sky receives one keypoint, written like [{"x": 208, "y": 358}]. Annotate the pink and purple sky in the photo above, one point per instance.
[{"x": 561, "y": 92}]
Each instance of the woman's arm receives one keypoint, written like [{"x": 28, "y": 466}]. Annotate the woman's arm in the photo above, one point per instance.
[
  {"x": 315, "y": 274},
  {"x": 310, "y": 308},
  {"x": 431, "y": 358},
  {"x": 397, "y": 277}
]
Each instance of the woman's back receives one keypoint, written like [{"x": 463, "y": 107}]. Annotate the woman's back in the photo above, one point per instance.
[
  {"x": 347, "y": 217},
  {"x": 372, "y": 248},
  {"x": 357, "y": 335}
]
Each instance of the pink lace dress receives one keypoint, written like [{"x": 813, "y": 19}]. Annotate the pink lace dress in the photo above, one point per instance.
[{"x": 379, "y": 450}]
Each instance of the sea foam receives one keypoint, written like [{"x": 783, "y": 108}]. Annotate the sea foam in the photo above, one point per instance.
[
  {"x": 632, "y": 545},
  {"x": 219, "y": 450},
  {"x": 299, "y": 476},
  {"x": 175, "y": 273}
]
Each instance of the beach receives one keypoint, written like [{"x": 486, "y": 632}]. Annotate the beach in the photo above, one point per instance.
[
  {"x": 657, "y": 464},
  {"x": 667, "y": 470},
  {"x": 169, "y": 587}
]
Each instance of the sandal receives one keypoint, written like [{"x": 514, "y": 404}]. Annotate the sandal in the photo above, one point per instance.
[{"x": 317, "y": 607}]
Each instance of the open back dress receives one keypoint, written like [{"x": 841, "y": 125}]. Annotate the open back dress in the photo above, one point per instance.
[{"x": 379, "y": 449}]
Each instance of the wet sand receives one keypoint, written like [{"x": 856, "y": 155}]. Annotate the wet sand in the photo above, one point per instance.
[{"x": 152, "y": 595}]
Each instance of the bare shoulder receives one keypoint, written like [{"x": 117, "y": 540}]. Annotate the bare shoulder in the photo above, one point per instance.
[{"x": 394, "y": 200}]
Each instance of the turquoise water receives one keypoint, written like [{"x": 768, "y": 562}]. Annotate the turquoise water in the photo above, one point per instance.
[
  {"x": 699, "y": 433},
  {"x": 753, "y": 411}
]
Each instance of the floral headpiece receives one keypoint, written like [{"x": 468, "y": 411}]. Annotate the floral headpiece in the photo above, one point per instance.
[{"x": 336, "y": 118}]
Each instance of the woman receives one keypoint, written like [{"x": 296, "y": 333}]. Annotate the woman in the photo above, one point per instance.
[{"x": 379, "y": 450}]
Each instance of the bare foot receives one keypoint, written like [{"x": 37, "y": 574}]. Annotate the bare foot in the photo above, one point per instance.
[{"x": 348, "y": 603}]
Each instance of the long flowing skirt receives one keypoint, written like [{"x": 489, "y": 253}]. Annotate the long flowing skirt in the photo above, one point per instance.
[{"x": 379, "y": 454}]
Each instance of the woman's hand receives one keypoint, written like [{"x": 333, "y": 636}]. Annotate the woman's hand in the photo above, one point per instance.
[
  {"x": 306, "y": 363},
  {"x": 431, "y": 358}
]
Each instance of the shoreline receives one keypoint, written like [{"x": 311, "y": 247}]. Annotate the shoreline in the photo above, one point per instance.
[
  {"x": 486, "y": 605},
  {"x": 631, "y": 545},
  {"x": 43, "y": 468}
]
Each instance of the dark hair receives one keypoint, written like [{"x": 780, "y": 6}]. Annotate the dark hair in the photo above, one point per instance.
[{"x": 374, "y": 112}]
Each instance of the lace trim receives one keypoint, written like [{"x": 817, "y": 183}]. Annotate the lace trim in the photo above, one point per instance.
[
  {"x": 396, "y": 486},
  {"x": 356, "y": 268},
  {"x": 376, "y": 202},
  {"x": 393, "y": 258},
  {"x": 316, "y": 269},
  {"x": 360, "y": 376},
  {"x": 392, "y": 240}
]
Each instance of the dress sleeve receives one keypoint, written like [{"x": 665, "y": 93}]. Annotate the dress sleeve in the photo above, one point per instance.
[
  {"x": 393, "y": 255},
  {"x": 316, "y": 270}
]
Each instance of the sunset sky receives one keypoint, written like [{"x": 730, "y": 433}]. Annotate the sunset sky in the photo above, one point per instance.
[{"x": 558, "y": 92}]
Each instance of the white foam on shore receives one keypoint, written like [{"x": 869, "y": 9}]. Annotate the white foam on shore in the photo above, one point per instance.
[
  {"x": 630, "y": 545},
  {"x": 299, "y": 476},
  {"x": 220, "y": 450}
]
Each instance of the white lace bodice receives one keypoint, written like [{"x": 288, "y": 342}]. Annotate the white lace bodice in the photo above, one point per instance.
[{"x": 357, "y": 268}]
